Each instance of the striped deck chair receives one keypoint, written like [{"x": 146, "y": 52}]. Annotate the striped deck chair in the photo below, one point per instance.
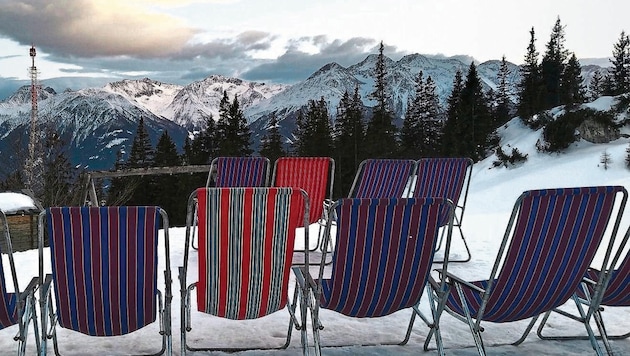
[
  {"x": 613, "y": 290},
  {"x": 550, "y": 242},
  {"x": 232, "y": 172},
  {"x": 382, "y": 178},
  {"x": 448, "y": 178},
  {"x": 382, "y": 261},
  {"x": 229, "y": 172},
  {"x": 104, "y": 276},
  {"x": 17, "y": 307},
  {"x": 316, "y": 176},
  {"x": 246, "y": 238}
]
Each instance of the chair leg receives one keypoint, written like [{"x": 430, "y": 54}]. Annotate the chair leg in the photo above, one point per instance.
[{"x": 474, "y": 330}]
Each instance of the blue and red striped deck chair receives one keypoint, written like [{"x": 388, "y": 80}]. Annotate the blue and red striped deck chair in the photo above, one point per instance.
[
  {"x": 246, "y": 238},
  {"x": 550, "y": 242},
  {"x": 613, "y": 290},
  {"x": 17, "y": 307},
  {"x": 381, "y": 262},
  {"x": 231, "y": 172},
  {"x": 316, "y": 176},
  {"x": 104, "y": 277},
  {"x": 448, "y": 178},
  {"x": 382, "y": 178}
]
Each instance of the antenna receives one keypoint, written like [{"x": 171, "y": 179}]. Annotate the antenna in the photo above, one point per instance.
[{"x": 31, "y": 161}]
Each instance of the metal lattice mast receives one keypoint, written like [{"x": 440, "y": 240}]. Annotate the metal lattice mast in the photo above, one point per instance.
[{"x": 34, "y": 131}]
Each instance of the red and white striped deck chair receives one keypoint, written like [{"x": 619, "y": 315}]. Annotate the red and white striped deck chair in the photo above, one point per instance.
[
  {"x": 17, "y": 307},
  {"x": 104, "y": 275},
  {"x": 316, "y": 176},
  {"x": 550, "y": 242},
  {"x": 382, "y": 178},
  {"x": 448, "y": 178},
  {"x": 381, "y": 262},
  {"x": 246, "y": 238},
  {"x": 613, "y": 293},
  {"x": 231, "y": 172}
]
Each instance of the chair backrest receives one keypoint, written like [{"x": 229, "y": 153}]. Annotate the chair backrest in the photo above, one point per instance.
[
  {"x": 8, "y": 302},
  {"x": 104, "y": 267},
  {"x": 313, "y": 174},
  {"x": 443, "y": 177},
  {"x": 240, "y": 171},
  {"x": 556, "y": 233},
  {"x": 617, "y": 290},
  {"x": 246, "y": 238},
  {"x": 383, "y": 254},
  {"x": 382, "y": 178}
]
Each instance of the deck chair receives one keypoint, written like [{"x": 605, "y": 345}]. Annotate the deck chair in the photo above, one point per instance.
[
  {"x": 316, "y": 176},
  {"x": 550, "y": 242},
  {"x": 613, "y": 291},
  {"x": 246, "y": 238},
  {"x": 449, "y": 178},
  {"x": 17, "y": 307},
  {"x": 382, "y": 261},
  {"x": 229, "y": 172},
  {"x": 104, "y": 280},
  {"x": 382, "y": 178}
]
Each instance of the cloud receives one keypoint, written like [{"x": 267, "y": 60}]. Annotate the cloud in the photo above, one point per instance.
[
  {"x": 298, "y": 64},
  {"x": 83, "y": 28}
]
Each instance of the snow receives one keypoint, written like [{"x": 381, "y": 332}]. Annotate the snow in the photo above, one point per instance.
[
  {"x": 11, "y": 203},
  {"x": 492, "y": 194}
]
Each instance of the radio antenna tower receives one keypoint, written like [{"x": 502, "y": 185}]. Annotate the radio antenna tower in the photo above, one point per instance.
[{"x": 31, "y": 161}]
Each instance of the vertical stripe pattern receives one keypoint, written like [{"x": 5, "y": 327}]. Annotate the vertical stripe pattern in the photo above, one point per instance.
[
  {"x": 241, "y": 171},
  {"x": 382, "y": 178},
  {"x": 441, "y": 177},
  {"x": 246, "y": 238},
  {"x": 383, "y": 255},
  {"x": 617, "y": 292},
  {"x": 104, "y": 267},
  {"x": 555, "y": 237},
  {"x": 308, "y": 173}
]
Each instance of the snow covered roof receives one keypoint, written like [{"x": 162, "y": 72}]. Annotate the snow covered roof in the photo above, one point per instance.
[{"x": 12, "y": 203}]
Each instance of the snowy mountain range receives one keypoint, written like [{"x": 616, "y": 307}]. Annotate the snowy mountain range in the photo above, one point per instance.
[{"x": 96, "y": 123}]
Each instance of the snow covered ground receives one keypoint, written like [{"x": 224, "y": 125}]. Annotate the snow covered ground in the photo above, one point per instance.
[{"x": 493, "y": 192}]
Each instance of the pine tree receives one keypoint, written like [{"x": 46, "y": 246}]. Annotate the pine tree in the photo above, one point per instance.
[
  {"x": 529, "y": 88},
  {"x": 451, "y": 136},
  {"x": 552, "y": 66},
  {"x": 502, "y": 109},
  {"x": 164, "y": 186},
  {"x": 204, "y": 146},
  {"x": 271, "y": 143},
  {"x": 595, "y": 85},
  {"x": 58, "y": 174},
  {"x": 313, "y": 132},
  {"x": 621, "y": 65},
  {"x": 421, "y": 130},
  {"x": 348, "y": 139},
  {"x": 475, "y": 122},
  {"x": 233, "y": 134},
  {"x": 141, "y": 156},
  {"x": 380, "y": 134},
  {"x": 572, "y": 89}
]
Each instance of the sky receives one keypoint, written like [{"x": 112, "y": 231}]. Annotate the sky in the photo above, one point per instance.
[
  {"x": 492, "y": 193},
  {"x": 88, "y": 42}
]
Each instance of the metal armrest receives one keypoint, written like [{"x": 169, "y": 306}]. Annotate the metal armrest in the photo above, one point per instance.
[
  {"x": 30, "y": 289},
  {"x": 453, "y": 278}
]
